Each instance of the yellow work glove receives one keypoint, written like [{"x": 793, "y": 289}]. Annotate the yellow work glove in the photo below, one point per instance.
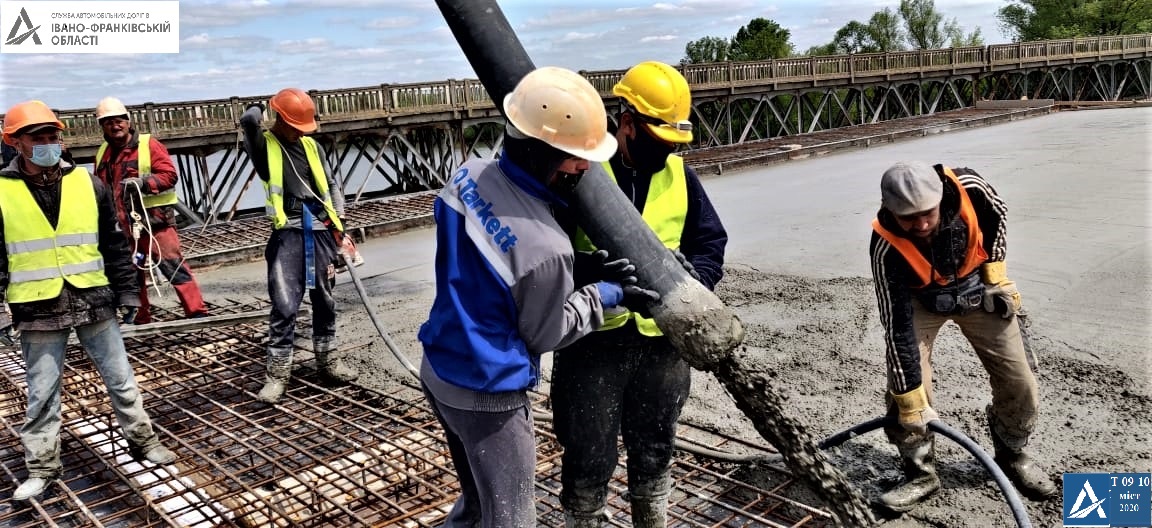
[
  {"x": 1000, "y": 295},
  {"x": 915, "y": 413}
]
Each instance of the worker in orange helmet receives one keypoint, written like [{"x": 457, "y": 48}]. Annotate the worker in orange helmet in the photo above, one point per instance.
[
  {"x": 306, "y": 207},
  {"x": 63, "y": 266}
]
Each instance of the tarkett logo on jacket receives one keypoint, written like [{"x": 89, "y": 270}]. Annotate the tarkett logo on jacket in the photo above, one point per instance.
[{"x": 482, "y": 209}]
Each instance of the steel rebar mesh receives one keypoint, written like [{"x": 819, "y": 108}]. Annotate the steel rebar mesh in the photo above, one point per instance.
[{"x": 324, "y": 456}]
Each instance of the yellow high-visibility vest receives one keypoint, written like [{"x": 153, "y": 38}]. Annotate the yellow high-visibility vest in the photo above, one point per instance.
[
  {"x": 144, "y": 166},
  {"x": 274, "y": 187},
  {"x": 665, "y": 210},
  {"x": 40, "y": 258}
]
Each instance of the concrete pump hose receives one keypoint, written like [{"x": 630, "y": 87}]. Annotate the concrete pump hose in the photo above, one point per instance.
[
  {"x": 380, "y": 326},
  {"x": 1019, "y": 512}
]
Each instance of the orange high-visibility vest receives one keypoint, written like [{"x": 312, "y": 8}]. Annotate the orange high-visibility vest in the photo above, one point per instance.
[{"x": 974, "y": 256}]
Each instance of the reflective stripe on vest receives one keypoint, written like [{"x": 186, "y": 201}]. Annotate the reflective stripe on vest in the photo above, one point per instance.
[
  {"x": 665, "y": 210},
  {"x": 40, "y": 259},
  {"x": 274, "y": 187},
  {"x": 974, "y": 255},
  {"x": 144, "y": 166}
]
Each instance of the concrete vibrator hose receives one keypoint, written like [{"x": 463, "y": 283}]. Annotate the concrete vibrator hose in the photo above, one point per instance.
[{"x": 1019, "y": 512}]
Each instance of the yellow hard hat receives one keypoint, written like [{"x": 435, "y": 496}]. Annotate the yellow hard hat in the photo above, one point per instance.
[
  {"x": 660, "y": 93},
  {"x": 26, "y": 114},
  {"x": 561, "y": 108},
  {"x": 110, "y": 107}
]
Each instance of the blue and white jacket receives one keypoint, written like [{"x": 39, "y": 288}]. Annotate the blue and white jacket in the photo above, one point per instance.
[{"x": 504, "y": 291}]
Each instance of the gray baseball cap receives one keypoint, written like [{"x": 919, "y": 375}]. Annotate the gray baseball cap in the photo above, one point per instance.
[{"x": 910, "y": 187}]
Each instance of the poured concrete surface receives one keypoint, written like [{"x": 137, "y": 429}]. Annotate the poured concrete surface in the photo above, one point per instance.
[{"x": 1077, "y": 189}]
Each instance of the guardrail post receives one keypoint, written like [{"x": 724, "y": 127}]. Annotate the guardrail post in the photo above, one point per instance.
[
  {"x": 322, "y": 108},
  {"x": 234, "y": 107},
  {"x": 150, "y": 117},
  {"x": 851, "y": 68},
  {"x": 955, "y": 54}
]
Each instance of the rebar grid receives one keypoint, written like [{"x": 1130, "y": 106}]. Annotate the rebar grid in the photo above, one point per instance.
[{"x": 325, "y": 456}]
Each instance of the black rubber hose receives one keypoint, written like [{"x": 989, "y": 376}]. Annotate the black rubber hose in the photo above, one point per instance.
[{"x": 1019, "y": 512}]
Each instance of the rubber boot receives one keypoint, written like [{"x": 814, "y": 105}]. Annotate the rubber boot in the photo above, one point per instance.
[
  {"x": 920, "y": 479},
  {"x": 585, "y": 520},
  {"x": 1030, "y": 479},
  {"x": 329, "y": 365},
  {"x": 276, "y": 376},
  {"x": 650, "y": 502}
]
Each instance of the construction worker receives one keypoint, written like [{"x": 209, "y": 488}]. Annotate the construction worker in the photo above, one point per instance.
[
  {"x": 306, "y": 208},
  {"x": 504, "y": 291},
  {"x": 143, "y": 181},
  {"x": 627, "y": 378},
  {"x": 63, "y": 266},
  {"x": 938, "y": 248}
]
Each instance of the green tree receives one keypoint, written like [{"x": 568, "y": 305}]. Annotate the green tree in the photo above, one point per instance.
[
  {"x": 1024, "y": 20},
  {"x": 884, "y": 27},
  {"x": 958, "y": 39},
  {"x": 759, "y": 40},
  {"x": 854, "y": 37},
  {"x": 707, "y": 49},
  {"x": 923, "y": 23}
]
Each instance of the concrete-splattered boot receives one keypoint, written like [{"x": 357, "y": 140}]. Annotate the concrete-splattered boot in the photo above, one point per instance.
[
  {"x": 329, "y": 364},
  {"x": 585, "y": 520},
  {"x": 650, "y": 502},
  {"x": 276, "y": 375},
  {"x": 1030, "y": 479},
  {"x": 920, "y": 479},
  {"x": 584, "y": 507}
]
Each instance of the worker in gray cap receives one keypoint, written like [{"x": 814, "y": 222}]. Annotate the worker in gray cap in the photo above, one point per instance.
[{"x": 938, "y": 248}]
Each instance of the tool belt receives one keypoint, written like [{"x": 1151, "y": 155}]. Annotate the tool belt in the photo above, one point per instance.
[{"x": 958, "y": 298}]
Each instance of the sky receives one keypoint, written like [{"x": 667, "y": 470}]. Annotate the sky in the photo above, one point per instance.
[{"x": 256, "y": 47}]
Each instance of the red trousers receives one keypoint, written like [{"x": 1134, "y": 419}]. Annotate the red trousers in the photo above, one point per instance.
[{"x": 164, "y": 248}]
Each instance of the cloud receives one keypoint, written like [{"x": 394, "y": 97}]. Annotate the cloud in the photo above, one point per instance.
[
  {"x": 392, "y": 23},
  {"x": 574, "y": 36},
  {"x": 658, "y": 38},
  {"x": 821, "y": 21},
  {"x": 308, "y": 45}
]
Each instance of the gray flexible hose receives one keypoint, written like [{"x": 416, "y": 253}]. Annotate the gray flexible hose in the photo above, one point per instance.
[{"x": 1019, "y": 512}]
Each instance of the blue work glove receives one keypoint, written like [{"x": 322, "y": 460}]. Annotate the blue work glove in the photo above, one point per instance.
[
  {"x": 684, "y": 263},
  {"x": 131, "y": 305},
  {"x": 610, "y": 294}
]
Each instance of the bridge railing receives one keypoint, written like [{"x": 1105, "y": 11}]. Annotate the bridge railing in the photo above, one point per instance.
[{"x": 192, "y": 118}]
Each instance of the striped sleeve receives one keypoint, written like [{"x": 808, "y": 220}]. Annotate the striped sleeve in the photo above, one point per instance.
[
  {"x": 894, "y": 301},
  {"x": 990, "y": 209}
]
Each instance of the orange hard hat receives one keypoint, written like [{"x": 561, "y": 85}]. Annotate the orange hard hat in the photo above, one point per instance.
[
  {"x": 295, "y": 107},
  {"x": 26, "y": 114}
]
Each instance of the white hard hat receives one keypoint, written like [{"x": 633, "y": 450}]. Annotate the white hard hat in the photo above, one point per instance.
[
  {"x": 561, "y": 108},
  {"x": 110, "y": 107}
]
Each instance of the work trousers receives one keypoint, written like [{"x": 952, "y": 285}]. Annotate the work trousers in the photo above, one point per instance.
[
  {"x": 616, "y": 382},
  {"x": 44, "y": 358},
  {"x": 287, "y": 284},
  {"x": 1011, "y": 372},
  {"x": 168, "y": 258},
  {"x": 494, "y": 454}
]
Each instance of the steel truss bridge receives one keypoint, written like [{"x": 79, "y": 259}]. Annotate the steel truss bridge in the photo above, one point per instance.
[{"x": 401, "y": 138}]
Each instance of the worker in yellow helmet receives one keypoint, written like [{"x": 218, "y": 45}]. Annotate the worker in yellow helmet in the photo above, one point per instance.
[
  {"x": 63, "y": 266},
  {"x": 627, "y": 378}
]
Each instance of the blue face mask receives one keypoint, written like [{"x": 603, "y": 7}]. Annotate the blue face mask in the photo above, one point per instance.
[{"x": 46, "y": 155}]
